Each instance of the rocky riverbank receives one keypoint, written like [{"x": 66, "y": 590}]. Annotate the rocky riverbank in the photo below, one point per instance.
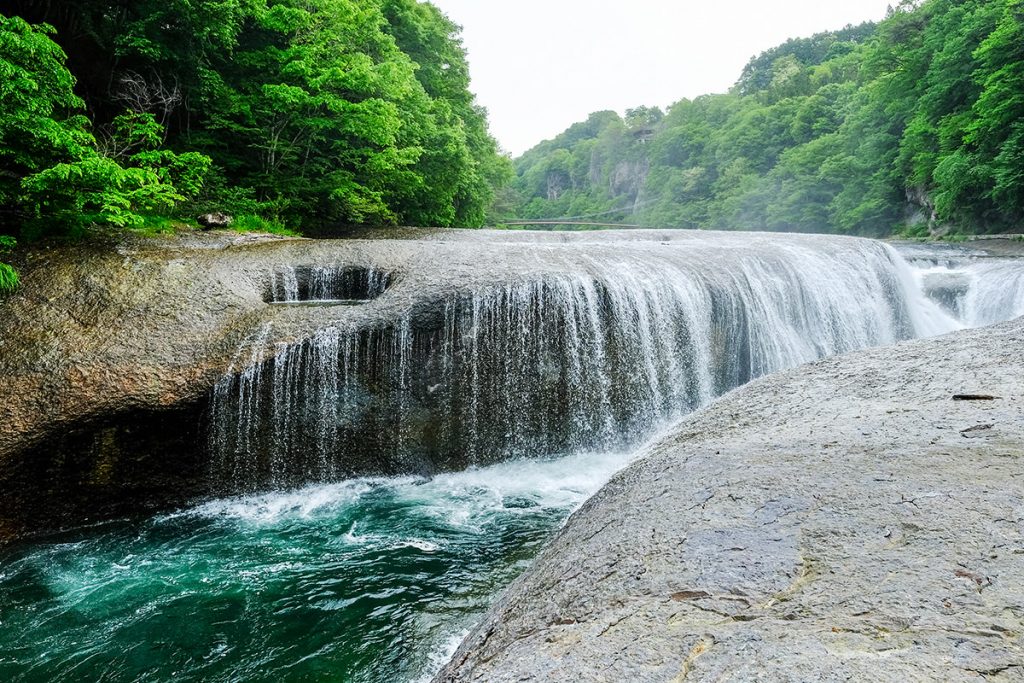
[{"x": 859, "y": 518}]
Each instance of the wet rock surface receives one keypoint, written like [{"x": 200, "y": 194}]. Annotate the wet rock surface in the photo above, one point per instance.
[
  {"x": 847, "y": 520},
  {"x": 108, "y": 354}
]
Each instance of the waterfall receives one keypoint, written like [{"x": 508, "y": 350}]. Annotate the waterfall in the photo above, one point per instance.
[
  {"x": 607, "y": 343},
  {"x": 978, "y": 293},
  {"x": 995, "y": 293}
]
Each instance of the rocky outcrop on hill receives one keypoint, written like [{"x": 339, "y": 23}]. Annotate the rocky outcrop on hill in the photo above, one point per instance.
[{"x": 860, "y": 518}]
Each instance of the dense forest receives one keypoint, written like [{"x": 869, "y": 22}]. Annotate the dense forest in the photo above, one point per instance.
[
  {"x": 308, "y": 114},
  {"x": 914, "y": 125}
]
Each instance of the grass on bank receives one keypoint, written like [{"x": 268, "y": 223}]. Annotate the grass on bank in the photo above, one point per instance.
[
  {"x": 8, "y": 275},
  {"x": 167, "y": 225},
  {"x": 253, "y": 223},
  {"x": 8, "y": 279}
]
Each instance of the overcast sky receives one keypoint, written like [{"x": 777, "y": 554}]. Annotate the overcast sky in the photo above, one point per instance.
[{"x": 541, "y": 65}]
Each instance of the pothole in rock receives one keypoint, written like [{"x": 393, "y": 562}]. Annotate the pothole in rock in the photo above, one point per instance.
[{"x": 326, "y": 285}]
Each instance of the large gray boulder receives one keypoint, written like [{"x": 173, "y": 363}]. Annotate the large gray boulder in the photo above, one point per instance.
[{"x": 847, "y": 520}]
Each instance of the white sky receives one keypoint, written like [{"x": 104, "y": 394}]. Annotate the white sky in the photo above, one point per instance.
[{"x": 541, "y": 65}]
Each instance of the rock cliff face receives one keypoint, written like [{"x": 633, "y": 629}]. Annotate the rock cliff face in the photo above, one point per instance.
[
  {"x": 106, "y": 354},
  {"x": 860, "y": 518},
  {"x": 108, "y": 357}
]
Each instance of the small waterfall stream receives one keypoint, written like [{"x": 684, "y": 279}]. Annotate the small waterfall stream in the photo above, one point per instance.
[
  {"x": 289, "y": 285},
  {"x": 592, "y": 355},
  {"x": 977, "y": 293}
]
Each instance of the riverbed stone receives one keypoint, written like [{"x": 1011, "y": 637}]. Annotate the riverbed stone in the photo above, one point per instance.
[{"x": 829, "y": 523}]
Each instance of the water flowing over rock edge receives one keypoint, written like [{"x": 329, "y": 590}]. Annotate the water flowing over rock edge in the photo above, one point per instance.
[
  {"x": 845, "y": 520},
  {"x": 584, "y": 347},
  {"x": 110, "y": 352}
]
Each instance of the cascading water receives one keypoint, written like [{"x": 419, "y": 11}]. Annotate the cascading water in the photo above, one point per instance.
[
  {"x": 976, "y": 290},
  {"x": 326, "y": 284},
  {"x": 996, "y": 293},
  {"x": 596, "y": 352}
]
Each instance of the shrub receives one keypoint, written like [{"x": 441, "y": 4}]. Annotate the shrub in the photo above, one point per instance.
[{"x": 8, "y": 276}]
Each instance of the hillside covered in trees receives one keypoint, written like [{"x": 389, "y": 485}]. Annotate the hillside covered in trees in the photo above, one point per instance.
[
  {"x": 303, "y": 113},
  {"x": 913, "y": 125}
]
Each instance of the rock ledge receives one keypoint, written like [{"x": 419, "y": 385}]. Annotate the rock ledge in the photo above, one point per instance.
[{"x": 847, "y": 520}]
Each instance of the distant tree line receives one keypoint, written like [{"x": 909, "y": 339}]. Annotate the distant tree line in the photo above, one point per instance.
[
  {"x": 305, "y": 113},
  {"x": 914, "y": 125}
]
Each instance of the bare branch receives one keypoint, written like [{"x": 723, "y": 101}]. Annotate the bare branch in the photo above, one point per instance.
[{"x": 149, "y": 95}]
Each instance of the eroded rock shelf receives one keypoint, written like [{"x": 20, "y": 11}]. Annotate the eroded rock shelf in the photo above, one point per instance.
[{"x": 847, "y": 520}]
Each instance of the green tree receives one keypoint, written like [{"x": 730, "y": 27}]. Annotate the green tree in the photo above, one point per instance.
[
  {"x": 997, "y": 132},
  {"x": 315, "y": 112},
  {"x": 41, "y": 124},
  {"x": 96, "y": 188},
  {"x": 54, "y": 178}
]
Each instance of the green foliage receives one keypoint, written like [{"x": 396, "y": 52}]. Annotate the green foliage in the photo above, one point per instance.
[
  {"x": 917, "y": 121},
  {"x": 98, "y": 189},
  {"x": 311, "y": 112},
  {"x": 252, "y": 223},
  {"x": 39, "y": 125},
  {"x": 57, "y": 179},
  {"x": 8, "y": 276},
  {"x": 776, "y": 65},
  {"x": 8, "y": 279}
]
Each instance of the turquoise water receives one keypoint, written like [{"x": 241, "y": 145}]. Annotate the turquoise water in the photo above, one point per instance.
[{"x": 366, "y": 580}]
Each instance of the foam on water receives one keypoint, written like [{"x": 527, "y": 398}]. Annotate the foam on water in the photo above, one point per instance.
[{"x": 365, "y": 580}]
